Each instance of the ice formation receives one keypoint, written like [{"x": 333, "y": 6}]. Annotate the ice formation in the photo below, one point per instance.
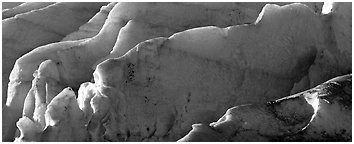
[
  {"x": 29, "y": 30},
  {"x": 75, "y": 58},
  {"x": 319, "y": 114},
  {"x": 159, "y": 68},
  {"x": 185, "y": 16},
  {"x": 93, "y": 26}
]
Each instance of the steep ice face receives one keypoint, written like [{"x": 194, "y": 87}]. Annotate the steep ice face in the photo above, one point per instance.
[
  {"x": 26, "y": 31},
  {"x": 74, "y": 59},
  {"x": 279, "y": 41},
  {"x": 164, "y": 19},
  {"x": 184, "y": 16},
  {"x": 162, "y": 86},
  {"x": 334, "y": 54},
  {"x": 45, "y": 87},
  {"x": 64, "y": 119},
  {"x": 69, "y": 61},
  {"x": 342, "y": 25},
  {"x": 61, "y": 120}
]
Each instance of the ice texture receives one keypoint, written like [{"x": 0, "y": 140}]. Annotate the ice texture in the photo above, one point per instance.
[
  {"x": 319, "y": 114},
  {"x": 31, "y": 29},
  {"x": 166, "y": 71},
  {"x": 74, "y": 59}
]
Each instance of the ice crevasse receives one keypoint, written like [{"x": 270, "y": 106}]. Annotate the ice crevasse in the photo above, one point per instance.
[{"x": 162, "y": 86}]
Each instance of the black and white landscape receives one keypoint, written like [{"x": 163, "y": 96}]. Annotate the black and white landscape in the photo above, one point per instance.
[{"x": 192, "y": 71}]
